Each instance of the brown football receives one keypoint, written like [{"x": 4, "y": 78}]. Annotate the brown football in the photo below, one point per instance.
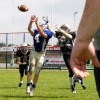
[{"x": 23, "y": 8}]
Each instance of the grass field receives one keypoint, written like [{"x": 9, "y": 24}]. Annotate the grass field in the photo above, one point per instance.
[{"x": 52, "y": 85}]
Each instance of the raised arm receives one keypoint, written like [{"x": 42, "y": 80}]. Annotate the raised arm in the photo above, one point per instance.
[
  {"x": 40, "y": 29},
  {"x": 30, "y": 25}
]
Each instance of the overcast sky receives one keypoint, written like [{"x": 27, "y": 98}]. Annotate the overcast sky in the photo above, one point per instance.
[{"x": 58, "y": 12}]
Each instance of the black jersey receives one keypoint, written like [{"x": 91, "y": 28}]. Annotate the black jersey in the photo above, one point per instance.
[
  {"x": 65, "y": 44},
  {"x": 23, "y": 58}
]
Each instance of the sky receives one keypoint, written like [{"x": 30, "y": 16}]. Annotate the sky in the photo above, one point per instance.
[{"x": 58, "y": 12}]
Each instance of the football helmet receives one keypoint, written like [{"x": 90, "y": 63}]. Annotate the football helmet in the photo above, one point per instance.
[
  {"x": 24, "y": 48},
  {"x": 44, "y": 25},
  {"x": 65, "y": 27}
]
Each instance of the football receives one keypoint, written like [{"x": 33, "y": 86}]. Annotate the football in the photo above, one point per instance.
[{"x": 23, "y": 8}]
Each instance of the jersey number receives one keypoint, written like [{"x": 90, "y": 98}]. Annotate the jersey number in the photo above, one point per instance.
[{"x": 37, "y": 38}]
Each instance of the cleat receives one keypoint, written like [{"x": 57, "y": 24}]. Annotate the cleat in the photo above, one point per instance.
[
  {"x": 84, "y": 87},
  {"x": 31, "y": 91},
  {"x": 20, "y": 84},
  {"x": 28, "y": 89},
  {"x": 73, "y": 90}
]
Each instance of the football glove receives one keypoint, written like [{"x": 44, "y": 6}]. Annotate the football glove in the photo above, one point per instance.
[{"x": 45, "y": 19}]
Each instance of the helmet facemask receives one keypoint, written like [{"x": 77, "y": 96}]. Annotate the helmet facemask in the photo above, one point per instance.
[
  {"x": 24, "y": 48},
  {"x": 65, "y": 27}
]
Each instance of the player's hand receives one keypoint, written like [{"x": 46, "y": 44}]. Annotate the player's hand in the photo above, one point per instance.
[
  {"x": 82, "y": 52},
  {"x": 57, "y": 27},
  {"x": 33, "y": 18},
  {"x": 45, "y": 19}
]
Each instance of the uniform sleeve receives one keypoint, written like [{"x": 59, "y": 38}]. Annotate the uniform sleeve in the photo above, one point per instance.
[
  {"x": 18, "y": 53},
  {"x": 18, "y": 56},
  {"x": 73, "y": 34},
  {"x": 35, "y": 31},
  {"x": 57, "y": 34},
  {"x": 49, "y": 33}
]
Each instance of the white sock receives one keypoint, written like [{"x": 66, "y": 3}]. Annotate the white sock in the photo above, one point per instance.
[{"x": 21, "y": 81}]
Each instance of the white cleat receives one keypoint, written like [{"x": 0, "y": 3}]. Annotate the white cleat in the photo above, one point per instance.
[
  {"x": 31, "y": 92},
  {"x": 28, "y": 89},
  {"x": 73, "y": 89}
]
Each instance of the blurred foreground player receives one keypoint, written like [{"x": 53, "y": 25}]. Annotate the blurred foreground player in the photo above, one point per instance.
[{"x": 23, "y": 61}]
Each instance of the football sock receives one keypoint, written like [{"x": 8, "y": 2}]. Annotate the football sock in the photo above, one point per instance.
[
  {"x": 28, "y": 84},
  {"x": 33, "y": 86},
  {"x": 21, "y": 81}
]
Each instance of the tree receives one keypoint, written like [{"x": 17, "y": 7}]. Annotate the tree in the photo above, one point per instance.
[
  {"x": 9, "y": 45},
  {"x": 2, "y": 44}
]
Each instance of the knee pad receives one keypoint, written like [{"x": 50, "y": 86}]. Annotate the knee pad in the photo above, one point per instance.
[
  {"x": 31, "y": 69},
  {"x": 37, "y": 70}
]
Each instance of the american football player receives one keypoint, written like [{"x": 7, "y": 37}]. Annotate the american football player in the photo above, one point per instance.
[
  {"x": 65, "y": 39},
  {"x": 41, "y": 37},
  {"x": 22, "y": 57}
]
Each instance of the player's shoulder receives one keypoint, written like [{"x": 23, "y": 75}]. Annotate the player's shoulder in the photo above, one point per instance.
[
  {"x": 48, "y": 32},
  {"x": 28, "y": 53},
  {"x": 35, "y": 30},
  {"x": 58, "y": 33},
  {"x": 18, "y": 53},
  {"x": 73, "y": 33}
]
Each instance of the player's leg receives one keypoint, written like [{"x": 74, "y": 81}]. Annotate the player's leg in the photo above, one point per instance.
[
  {"x": 75, "y": 80},
  {"x": 39, "y": 63},
  {"x": 97, "y": 74},
  {"x": 26, "y": 72},
  {"x": 82, "y": 83},
  {"x": 71, "y": 79},
  {"x": 79, "y": 80},
  {"x": 21, "y": 71},
  {"x": 31, "y": 68}
]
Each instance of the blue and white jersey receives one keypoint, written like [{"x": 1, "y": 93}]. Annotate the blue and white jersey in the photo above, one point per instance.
[{"x": 40, "y": 42}]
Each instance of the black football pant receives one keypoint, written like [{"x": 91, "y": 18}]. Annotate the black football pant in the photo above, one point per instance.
[
  {"x": 97, "y": 74},
  {"x": 22, "y": 70},
  {"x": 67, "y": 62}
]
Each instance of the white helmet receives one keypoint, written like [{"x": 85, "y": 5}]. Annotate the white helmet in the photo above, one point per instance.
[
  {"x": 24, "y": 44},
  {"x": 67, "y": 26},
  {"x": 24, "y": 48},
  {"x": 44, "y": 25}
]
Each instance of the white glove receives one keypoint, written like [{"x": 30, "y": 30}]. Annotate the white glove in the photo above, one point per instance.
[
  {"x": 24, "y": 63},
  {"x": 45, "y": 19},
  {"x": 57, "y": 27}
]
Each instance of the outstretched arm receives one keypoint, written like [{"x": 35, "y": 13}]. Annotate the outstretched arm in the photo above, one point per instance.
[
  {"x": 63, "y": 32},
  {"x": 40, "y": 30}
]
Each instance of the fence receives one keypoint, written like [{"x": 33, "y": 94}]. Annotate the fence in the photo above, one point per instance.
[{"x": 53, "y": 58}]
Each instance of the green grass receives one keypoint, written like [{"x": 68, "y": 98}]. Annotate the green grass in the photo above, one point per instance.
[{"x": 52, "y": 85}]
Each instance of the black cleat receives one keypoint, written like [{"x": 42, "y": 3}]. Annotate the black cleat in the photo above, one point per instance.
[
  {"x": 73, "y": 90},
  {"x": 20, "y": 84},
  {"x": 84, "y": 87}
]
